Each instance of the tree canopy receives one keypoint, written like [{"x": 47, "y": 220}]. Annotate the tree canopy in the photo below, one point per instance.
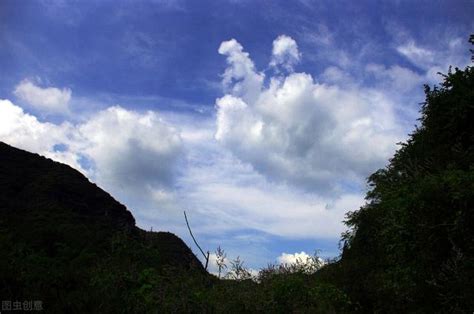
[{"x": 410, "y": 247}]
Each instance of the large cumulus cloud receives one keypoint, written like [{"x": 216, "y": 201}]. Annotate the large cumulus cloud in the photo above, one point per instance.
[
  {"x": 297, "y": 130},
  {"x": 133, "y": 155},
  {"x": 131, "y": 149},
  {"x": 25, "y": 131}
]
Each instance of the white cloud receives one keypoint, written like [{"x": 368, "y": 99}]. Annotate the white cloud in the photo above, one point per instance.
[
  {"x": 132, "y": 155},
  {"x": 240, "y": 77},
  {"x": 395, "y": 78},
  {"x": 48, "y": 99},
  {"x": 318, "y": 34},
  {"x": 325, "y": 48},
  {"x": 224, "y": 194},
  {"x": 286, "y": 258},
  {"x": 273, "y": 210},
  {"x": 131, "y": 149},
  {"x": 434, "y": 59},
  {"x": 285, "y": 53},
  {"x": 136, "y": 158},
  {"x": 301, "y": 262},
  {"x": 307, "y": 133},
  {"x": 417, "y": 55},
  {"x": 335, "y": 75},
  {"x": 26, "y": 132},
  {"x": 213, "y": 268}
]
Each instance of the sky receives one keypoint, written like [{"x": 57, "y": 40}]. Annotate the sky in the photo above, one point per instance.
[{"x": 261, "y": 119}]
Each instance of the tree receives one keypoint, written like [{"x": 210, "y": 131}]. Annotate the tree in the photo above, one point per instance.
[{"x": 410, "y": 248}]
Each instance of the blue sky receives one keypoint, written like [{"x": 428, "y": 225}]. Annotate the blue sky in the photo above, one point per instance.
[{"x": 261, "y": 118}]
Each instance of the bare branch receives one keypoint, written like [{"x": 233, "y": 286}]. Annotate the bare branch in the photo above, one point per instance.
[{"x": 206, "y": 257}]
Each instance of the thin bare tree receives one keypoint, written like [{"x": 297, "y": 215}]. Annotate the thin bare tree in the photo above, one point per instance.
[{"x": 206, "y": 256}]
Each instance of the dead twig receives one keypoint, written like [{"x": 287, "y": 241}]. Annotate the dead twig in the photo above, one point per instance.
[{"x": 206, "y": 256}]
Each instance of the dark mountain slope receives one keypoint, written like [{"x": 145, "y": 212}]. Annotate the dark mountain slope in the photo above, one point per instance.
[
  {"x": 30, "y": 182},
  {"x": 68, "y": 243}
]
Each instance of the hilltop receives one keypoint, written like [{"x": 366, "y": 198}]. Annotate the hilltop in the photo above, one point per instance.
[{"x": 65, "y": 241}]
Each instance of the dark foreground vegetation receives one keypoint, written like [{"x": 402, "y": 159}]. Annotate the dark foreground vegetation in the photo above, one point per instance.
[
  {"x": 67, "y": 243},
  {"x": 70, "y": 245}
]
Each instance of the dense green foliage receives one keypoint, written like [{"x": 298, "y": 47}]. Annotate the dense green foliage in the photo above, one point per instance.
[{"x": 411, "y": 247}]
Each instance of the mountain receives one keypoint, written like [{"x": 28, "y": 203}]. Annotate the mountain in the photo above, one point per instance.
[{"x": 69, "y": 244}]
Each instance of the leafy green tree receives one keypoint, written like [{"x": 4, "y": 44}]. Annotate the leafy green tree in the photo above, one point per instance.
[{"x": 410, "y": 248}]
